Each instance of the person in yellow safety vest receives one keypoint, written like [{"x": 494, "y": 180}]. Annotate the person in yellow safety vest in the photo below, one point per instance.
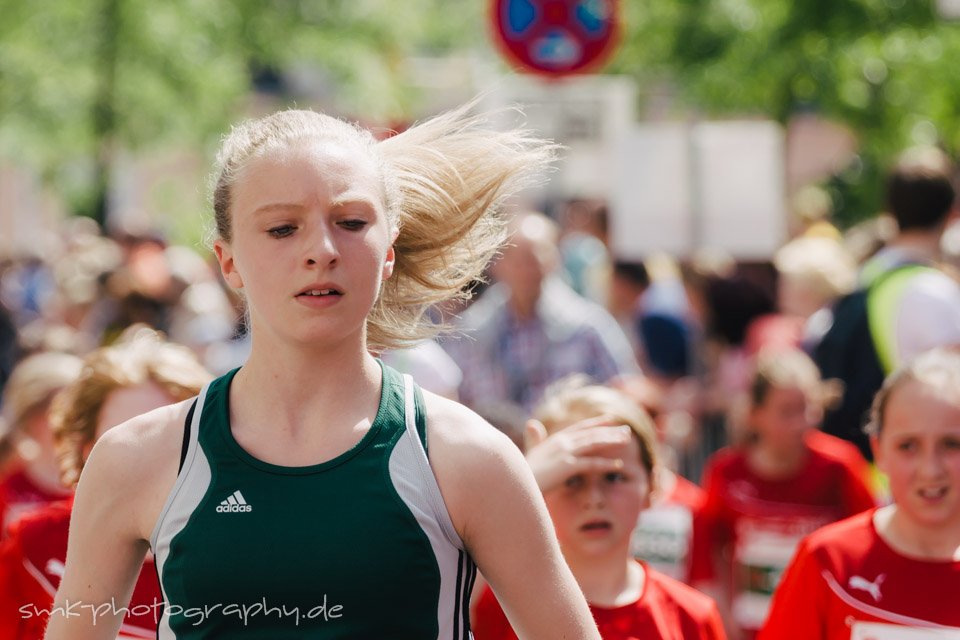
[
  {"x": 904, "y": 305},
  {"x": 913, "y": 306}
]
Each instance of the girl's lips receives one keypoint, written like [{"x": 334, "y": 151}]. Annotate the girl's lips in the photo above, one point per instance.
[
  {"x": 319, "y": 302},
  {"x": 596, "y": 525}
]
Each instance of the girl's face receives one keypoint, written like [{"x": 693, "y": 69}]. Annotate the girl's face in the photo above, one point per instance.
[
  {"x": 919, "y": 450},
  {"x": 595, "y": 513},
  {"x": 311, "y": 241},
  {"x": 783, "y": 417}
]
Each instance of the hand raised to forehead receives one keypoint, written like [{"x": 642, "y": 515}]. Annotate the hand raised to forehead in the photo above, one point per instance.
[{"x": 595, "y": 445}]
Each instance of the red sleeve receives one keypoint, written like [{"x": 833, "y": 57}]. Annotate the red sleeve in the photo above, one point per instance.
[
  {"x": 709, "y": 529},
  {"x": 799, "y": 602},
  {"x": 12, "y": 595},
  {"x": 24, "y": 602},
  {"x": 9, "y": 614},
  {"x": 490, "y": 621},
  {"x": 712, "y": 628}
]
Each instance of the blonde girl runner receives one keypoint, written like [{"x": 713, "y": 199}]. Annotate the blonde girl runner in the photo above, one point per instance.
[{"x": 323, "y": 495}]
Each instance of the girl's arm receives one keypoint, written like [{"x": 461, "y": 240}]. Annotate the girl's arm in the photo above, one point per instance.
[{"x": 499, "y": 513}]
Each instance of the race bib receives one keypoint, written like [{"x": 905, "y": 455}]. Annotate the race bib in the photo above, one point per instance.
[
  {"x": 760, "y": 558},
  {"x": 662, "y": 539}
]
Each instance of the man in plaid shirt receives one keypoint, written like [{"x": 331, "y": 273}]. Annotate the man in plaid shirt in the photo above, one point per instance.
[{"x": 530, "y": 329}]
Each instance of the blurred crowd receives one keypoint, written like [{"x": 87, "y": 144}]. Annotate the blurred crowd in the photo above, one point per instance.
[{"x": 737, "y": 365}]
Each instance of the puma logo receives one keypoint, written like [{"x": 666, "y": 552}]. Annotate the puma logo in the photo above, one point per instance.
[{"x": 873, "y": 588}]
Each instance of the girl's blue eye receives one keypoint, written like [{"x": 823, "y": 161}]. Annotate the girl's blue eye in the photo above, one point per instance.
[
  {"x": 614, "y": 476},
  {"x": 282, "y": 231},
  {"x": 574, "y": 482}
]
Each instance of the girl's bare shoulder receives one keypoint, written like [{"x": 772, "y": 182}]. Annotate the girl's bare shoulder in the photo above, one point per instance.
[
  {"x": 459, "y": 430},
  {"x": 134, "y": 465},
  {"x": 144, "y": 439},
  {"x": 473, "y": 461}
]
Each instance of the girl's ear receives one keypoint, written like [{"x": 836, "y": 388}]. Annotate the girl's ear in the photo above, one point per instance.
[
  {"x": 391, "y": 260},
  {"x": 655, "y": 490},
  {"x": 533, "y": 434},
  {"x": 389, "y": 263},
  {"x": 228, "y": 267}
]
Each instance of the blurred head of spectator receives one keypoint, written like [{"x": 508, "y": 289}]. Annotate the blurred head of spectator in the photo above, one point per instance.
[
  {"x": 813, "y": 272},
  {"x": 733, "y": 304},
  {"x": 139, "y": 372},
  {"x": 920, "y": 190},
  {"x": 27, "y": 439},
  {"x": 812, "y": 209},
  {"x": 786, "y": 398},
  {"x": 529, "y": 257},
  {"x": 629, "y": 281},
  {"x": 589, "y": 217}
]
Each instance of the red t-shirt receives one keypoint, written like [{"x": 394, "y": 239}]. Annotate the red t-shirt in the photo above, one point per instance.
[
  {"x": 664, "y": 531},
  {"x": 666, "y": 609},
  {"x": 19, "y": 494},
  {"x": 31, "y": 565},
  {"x": 762, "y": 521},
  {"x": 846, "y": 582}
]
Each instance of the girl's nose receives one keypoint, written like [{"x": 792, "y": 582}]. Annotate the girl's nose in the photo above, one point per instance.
[
  {"x": 594, "y": 494},
  {"x": 321, "y": 248}
]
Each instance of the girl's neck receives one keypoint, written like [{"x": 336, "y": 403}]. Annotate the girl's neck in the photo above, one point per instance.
[
  {"x": 609, "y": 581},
  {"x": 915, "y": 540},
  {"x": 293, "y": 385}
]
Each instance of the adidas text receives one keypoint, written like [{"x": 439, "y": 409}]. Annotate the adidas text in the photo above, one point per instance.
[{"x": 233, "y": 508}]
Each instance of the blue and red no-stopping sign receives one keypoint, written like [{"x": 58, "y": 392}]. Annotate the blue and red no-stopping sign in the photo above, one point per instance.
[{"x": 556, "y": 37}]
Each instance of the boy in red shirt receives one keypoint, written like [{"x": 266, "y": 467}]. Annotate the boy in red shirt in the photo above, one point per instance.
[
  {"x": 787, "y": 481},
  {"x": 892, "y": 573},
  {"x": 596, "y": 477}
]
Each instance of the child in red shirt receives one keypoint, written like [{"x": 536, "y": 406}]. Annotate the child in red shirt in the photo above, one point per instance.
[
  {"x": 30, "y": 474},
  {"x": 117, "y": 382},
  {"x": 892, "y": 573},
  {"x": 762, "y": 498},
  {"x": 596, "y": 477}
]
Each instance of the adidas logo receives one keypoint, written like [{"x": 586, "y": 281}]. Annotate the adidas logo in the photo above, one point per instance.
[{"x": 234, "y": 504}]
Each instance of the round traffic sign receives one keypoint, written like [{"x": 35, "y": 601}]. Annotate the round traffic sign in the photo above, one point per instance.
[{"x": 556, "y": 37}]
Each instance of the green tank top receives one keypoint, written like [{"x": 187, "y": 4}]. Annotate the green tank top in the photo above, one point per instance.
[{"x": 360, "y": 546}]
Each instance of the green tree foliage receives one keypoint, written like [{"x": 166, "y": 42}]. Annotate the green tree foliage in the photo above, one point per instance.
[
  {"x": 81, "y": 80},
  {"x": 885, "y": 68}
]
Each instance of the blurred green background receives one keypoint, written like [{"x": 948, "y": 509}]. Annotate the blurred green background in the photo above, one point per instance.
[{"x": 82, "y": 82}]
